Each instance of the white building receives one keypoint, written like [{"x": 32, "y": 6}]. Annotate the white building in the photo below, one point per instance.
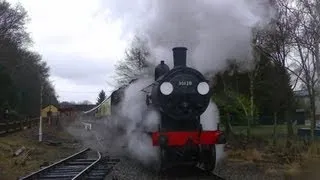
[{"x": 304, "y": 105}]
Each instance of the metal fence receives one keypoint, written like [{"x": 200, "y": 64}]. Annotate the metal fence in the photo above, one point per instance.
[{"x": 12, "y": 126}]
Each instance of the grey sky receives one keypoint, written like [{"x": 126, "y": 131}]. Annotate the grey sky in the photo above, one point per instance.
[
  {"x": 80, "y": 42},
  {"x": 80, "y": 69}
]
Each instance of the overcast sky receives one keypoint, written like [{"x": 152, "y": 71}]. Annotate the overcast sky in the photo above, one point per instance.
[{"x": 81, "y": 41}]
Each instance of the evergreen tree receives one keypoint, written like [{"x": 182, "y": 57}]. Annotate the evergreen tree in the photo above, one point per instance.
[
  {"x": 273, "y": 92},
  {"x": 101, "y": 97}
]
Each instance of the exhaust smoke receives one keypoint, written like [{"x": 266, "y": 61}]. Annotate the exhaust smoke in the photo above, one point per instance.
[
  {"x": 126, "y": 134},
  {"x": 140, "y": 120}
]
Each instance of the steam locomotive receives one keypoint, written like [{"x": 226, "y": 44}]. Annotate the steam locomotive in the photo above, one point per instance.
[{"x": 181, "y": 95}]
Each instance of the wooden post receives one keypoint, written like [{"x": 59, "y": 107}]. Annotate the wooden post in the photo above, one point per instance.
[
  {"x": 30, "y": 123},
  {"x": 21, "y": 124},
  {"x": 40, "y": 120},
  {"x": 17, "y": 125},
  {"x": 49, "y": 117},
  {"x": 7, "y": 126}
]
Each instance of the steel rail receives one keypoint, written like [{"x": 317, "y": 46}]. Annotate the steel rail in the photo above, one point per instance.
[
  {"x": 87, "y": 169},
  {"x": 35, "y": 174},
  {"x": 212, "y": 174}
]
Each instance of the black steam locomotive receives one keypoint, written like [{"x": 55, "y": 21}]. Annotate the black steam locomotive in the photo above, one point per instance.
[{"x": 181, "y": 95}]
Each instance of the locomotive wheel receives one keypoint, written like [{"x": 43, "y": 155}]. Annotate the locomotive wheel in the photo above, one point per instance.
[{"x": 210, "y": 163}]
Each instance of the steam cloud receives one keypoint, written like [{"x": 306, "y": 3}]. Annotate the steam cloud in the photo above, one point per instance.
[
  {"x": 213, "y": 31},
  {"x": 126, "y": 134},
  {"x": 140, "y": 120}
]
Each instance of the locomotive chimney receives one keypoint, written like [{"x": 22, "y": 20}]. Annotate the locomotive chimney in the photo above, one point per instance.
[{"x": 179, "y": 56}]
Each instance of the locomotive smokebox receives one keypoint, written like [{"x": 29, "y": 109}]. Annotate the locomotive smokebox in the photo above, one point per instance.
[{"x": 179, "y": 56}]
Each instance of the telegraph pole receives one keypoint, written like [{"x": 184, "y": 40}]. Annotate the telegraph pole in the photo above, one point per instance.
[{"x": 40, "y": 120}]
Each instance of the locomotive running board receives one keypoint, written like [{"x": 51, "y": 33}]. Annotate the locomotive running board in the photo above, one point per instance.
[{"x": 147, "y": 88}]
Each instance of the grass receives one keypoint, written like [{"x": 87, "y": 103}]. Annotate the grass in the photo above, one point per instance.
[
  {"x": 12, "y": 167},
  {"x": 298, "y": 160},
  {"x": 250, "y": 155},
  {"x": 308, "y": 168},
  {"x": 264, "y": 130}
]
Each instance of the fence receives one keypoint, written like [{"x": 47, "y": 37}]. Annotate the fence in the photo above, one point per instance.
[{"x": 12, "y": 126}]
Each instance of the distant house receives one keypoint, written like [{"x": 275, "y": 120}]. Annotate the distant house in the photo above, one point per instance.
[
  {"x": 304, "y": 104},
  {"x": 300, "y": 93},
  {"x": 83, "y": 107},
  {"x": 50, "y": 109},
  {"x": 73, "y": 110}
]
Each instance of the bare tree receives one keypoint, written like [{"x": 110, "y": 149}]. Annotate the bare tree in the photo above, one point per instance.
[
  {"x": 306, "y": 45},
  {"x": 252, "y": 76},
  {"x": 85, "y": 102},
  {"x": 276, "y": 42},
  {"x": 294, "y": 42},
  {"x": 135, "y": 61}
]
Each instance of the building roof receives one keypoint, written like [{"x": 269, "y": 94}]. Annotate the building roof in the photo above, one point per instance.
[
  {"x": 84, "y": 107},
  {"x": 76, "y": 107},
  {"x": 49, "y": 106}
]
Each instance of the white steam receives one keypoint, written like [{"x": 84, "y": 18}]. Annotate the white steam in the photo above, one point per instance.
[
  {"x": 212, "y": 30},
  {"x": 210, "y": 118},
  {"x": 125, "y": 134},
  {"x": 140, "y": 120}
]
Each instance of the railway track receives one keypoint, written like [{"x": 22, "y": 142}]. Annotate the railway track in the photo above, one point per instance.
[
  {"x": 86, "y": 164},
  {"x": 189, "y": 173},
  {"x": 210, "y": 174}
]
